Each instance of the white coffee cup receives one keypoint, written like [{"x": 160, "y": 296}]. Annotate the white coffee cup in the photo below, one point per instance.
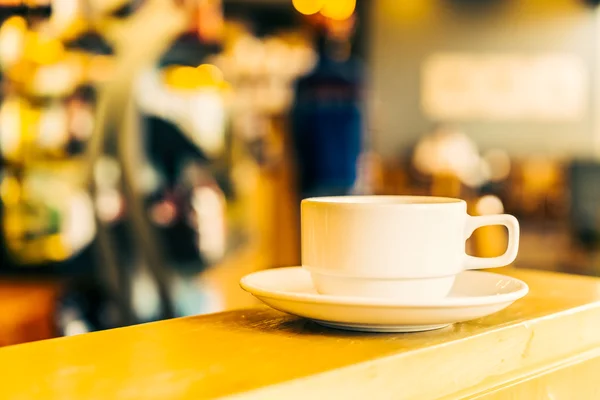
[{"x": 402, "y": 247}]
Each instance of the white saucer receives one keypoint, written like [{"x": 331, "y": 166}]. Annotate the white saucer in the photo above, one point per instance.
[{"x": 475, "y": 294}]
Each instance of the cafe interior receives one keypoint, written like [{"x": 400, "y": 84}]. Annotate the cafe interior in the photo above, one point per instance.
[{"x": 154, "y": 152}]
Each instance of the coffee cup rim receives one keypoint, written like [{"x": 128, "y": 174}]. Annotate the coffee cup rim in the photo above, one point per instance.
[{"x": 384, "y": 201}]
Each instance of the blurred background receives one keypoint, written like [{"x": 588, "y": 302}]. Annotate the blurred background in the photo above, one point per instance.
[{"x": 152, "y": 152}]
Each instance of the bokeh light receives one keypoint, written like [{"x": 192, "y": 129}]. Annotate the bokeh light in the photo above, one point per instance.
[
  {"x": 308, "y": 7},
  {"x": 163, "y": 213},
  {"x": 54, "y": 248},
  {"x": 109, "y": 205},
  {"x": 12, "y": 39},
  {"x": 209, "y": 75},
  {"x": 10, "y": 191},
  {"x": 53, "y": 127},
  {"x": 181, "y": 77},
  {"x": 43, "y": 50},
  {"x": 338, "y": 9},
  {"x": 499, "y": 163},
  {"x": 11, "y": 118},
  {"x": 190, "y": 78},
  {"x": 488, "y": 205}
]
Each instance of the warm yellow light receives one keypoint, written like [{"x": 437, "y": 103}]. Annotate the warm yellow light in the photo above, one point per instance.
[
  {"x": 308, "y": 7},
  {"x": 11, "y": 127},
  {"x": 43, "y": 50},
  {"x": 14, "y": 224},
  {"x": 100, "y": 68},
  {"x": 12, "y": 37},
  {"x": 225, "y": 87},
  {"x": 209, "y": 75},
  {"x": 10, "y": 191},
  {"x": 190, "y": 78},
  {"x": 338, "y": 9},
  {"x": 55, "y": 248},
  {"x": 15, "y": 22},
  {"x": 488, "y": 205},
  {"x": 181, "y": 77}
]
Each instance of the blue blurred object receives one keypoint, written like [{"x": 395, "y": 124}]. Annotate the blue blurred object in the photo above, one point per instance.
[{"x": 327, "y": 125}]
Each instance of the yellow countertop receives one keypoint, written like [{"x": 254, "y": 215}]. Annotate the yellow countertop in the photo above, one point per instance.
[{"x": 263, "y": 354}]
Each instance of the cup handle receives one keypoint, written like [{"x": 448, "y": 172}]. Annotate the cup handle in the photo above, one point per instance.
[{"x": 512, "y": 249}]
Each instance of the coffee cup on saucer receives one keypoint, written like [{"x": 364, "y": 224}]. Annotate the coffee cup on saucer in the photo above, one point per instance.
[{"x": 400, "y": 247}]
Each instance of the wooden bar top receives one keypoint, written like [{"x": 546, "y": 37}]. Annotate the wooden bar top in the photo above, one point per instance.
[{"x": 263, "y": 354}]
